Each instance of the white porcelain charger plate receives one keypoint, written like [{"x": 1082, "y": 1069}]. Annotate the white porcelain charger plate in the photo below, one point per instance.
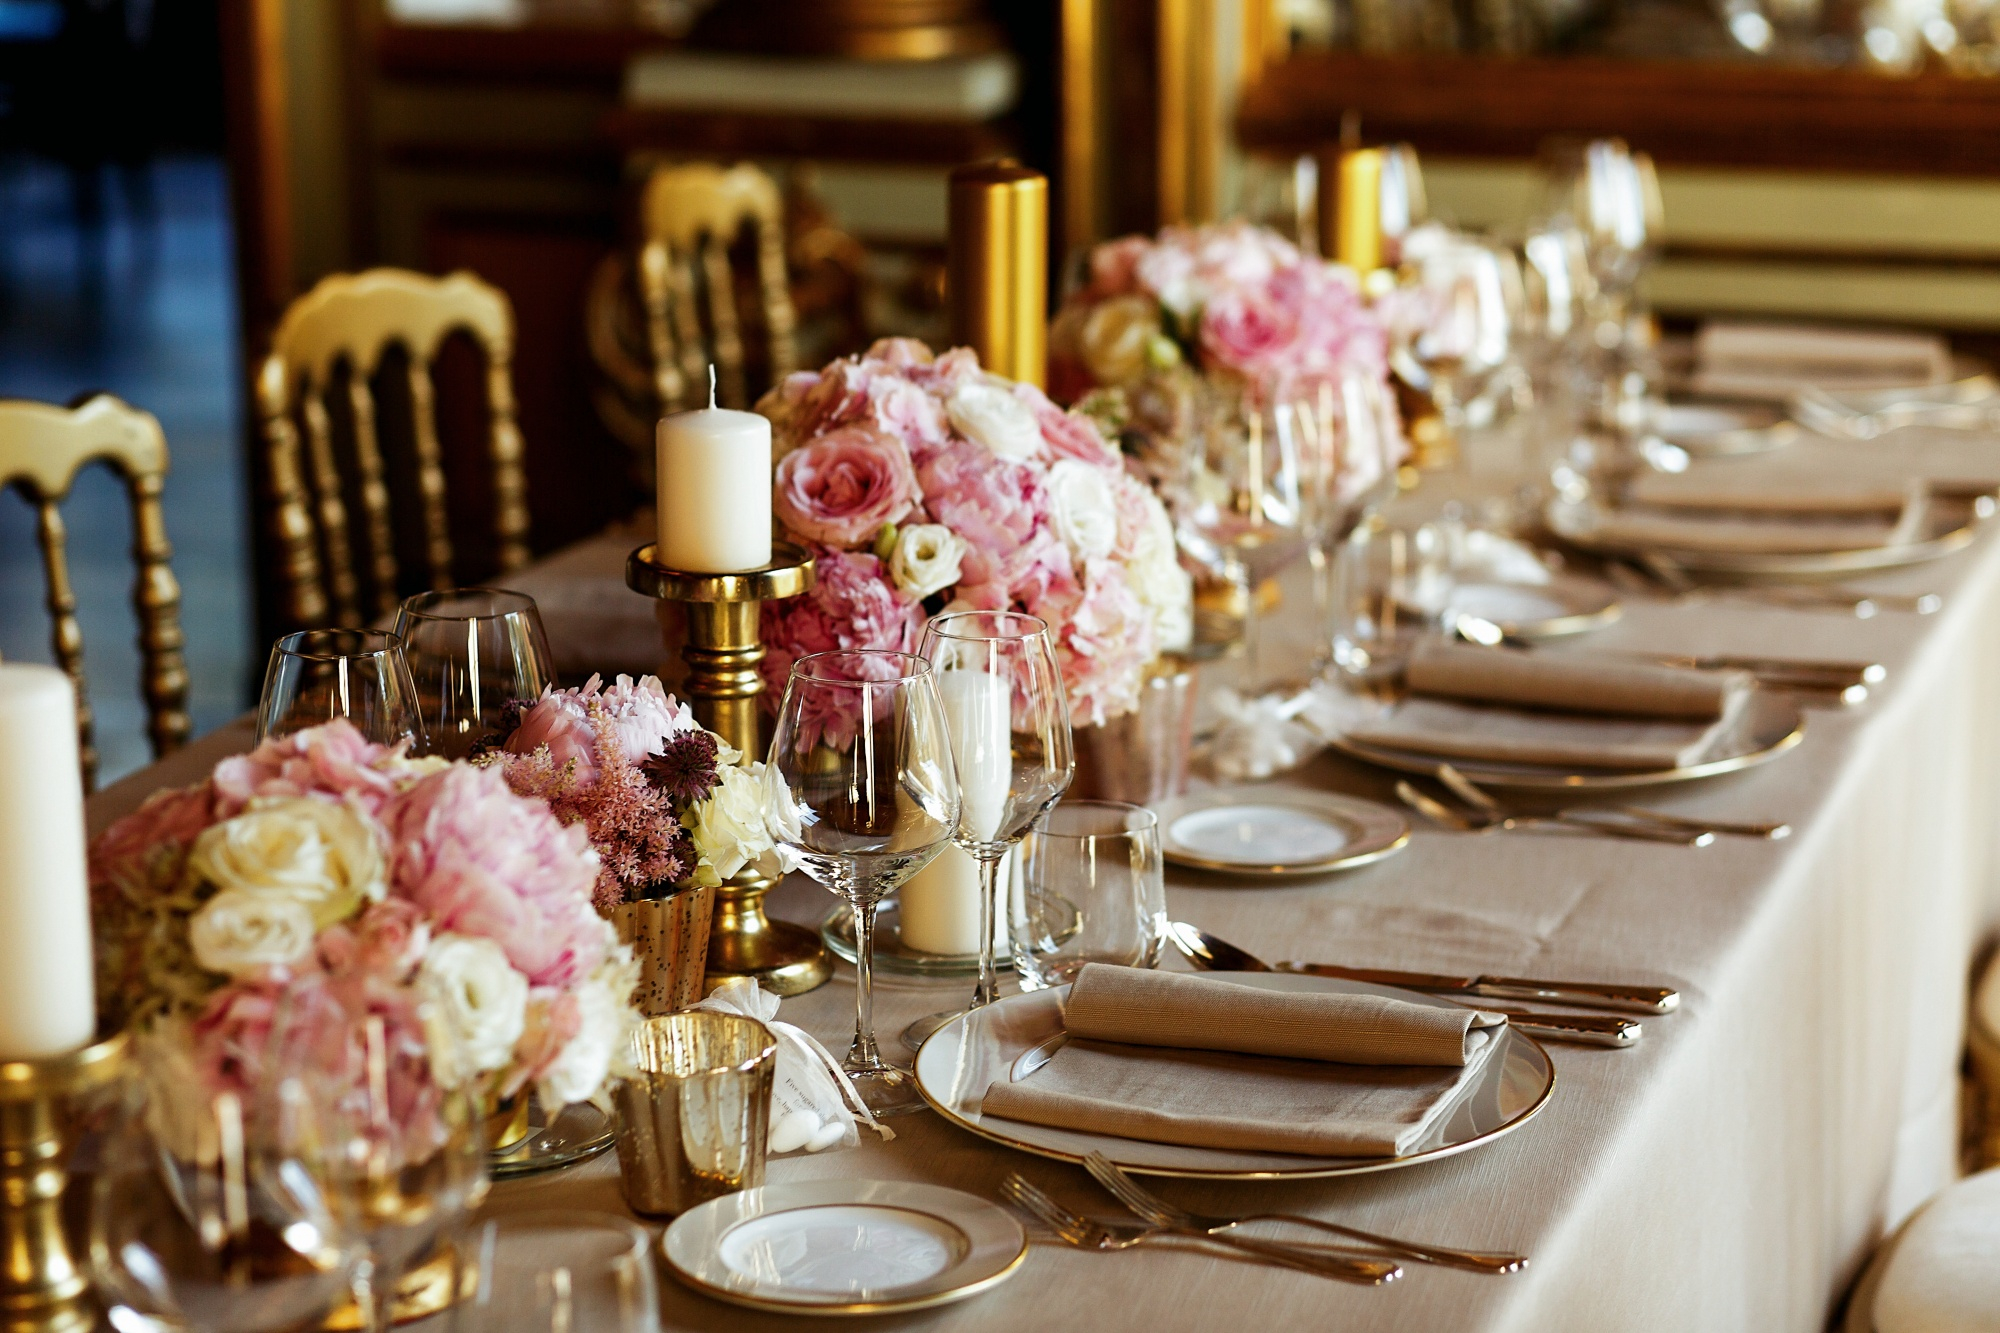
[
  {"x": 844, "y": 1247},
  {"x": 977, "y": 1049},
  {"x": 1773, "y": 722},
  {"x": 1278, "y": 831}
]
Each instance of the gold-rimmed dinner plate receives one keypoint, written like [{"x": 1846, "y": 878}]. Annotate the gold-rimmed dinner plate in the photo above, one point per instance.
[
  {"x": 1725, "y": 427},
  {"x": 844, "y": 1247},
  {"x": 1772, "y": 723},
  {"x": 1278, "y": 832},
  {"x": 1951, "y": 521},
  {"x": 977, "y": 1049},
  {"x": 1563, "y": 606}
]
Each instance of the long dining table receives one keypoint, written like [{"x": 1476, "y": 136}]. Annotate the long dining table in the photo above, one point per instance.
[{"x": 1731, "y": 1171}]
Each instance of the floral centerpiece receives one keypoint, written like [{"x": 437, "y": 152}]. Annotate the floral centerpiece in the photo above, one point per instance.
[
  {"x": 922, "y": 483},
  {"x": 330, "y": 881}
]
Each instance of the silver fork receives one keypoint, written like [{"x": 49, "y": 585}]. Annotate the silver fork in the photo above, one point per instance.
[
  {"x": 1473, "y": 794},
  {"x": 1482, "y": 820},
  {"x": 1087, "y": 1233},
  {"x": 1155, "y": 1209}
]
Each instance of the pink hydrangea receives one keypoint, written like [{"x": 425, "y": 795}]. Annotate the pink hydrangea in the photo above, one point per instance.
[
  {"x": 842, "y": 488},
  {"x": 480, "y": 860},
  {"x": 330, "y": 760},
  {"x": 852, "y": 605}
]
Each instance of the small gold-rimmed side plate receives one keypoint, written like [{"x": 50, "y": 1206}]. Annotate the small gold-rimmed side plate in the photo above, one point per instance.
[
  {"x": 1274, "y": 831},
  {"x": 844, "y": 1247},
  {"x": 1563, "y": 606}
]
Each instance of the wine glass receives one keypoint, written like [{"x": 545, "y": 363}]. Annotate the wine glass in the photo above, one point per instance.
[
  {"x": 1008, "y": 716},
  {"x": 558, "y": 1272},
  {"x": 318, "y": 675},
  {"x": 1612, "y": 196},
  {"x": 212, "y": 1210},
  {"x": 863, "y": 788},
  {"x": 1348, "y": 470},
  {"x": 471, "y": 652},
  {"x": 1463, "y": 300}
]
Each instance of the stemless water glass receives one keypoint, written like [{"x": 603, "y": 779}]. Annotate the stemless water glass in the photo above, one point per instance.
[
  {"x": 471, "y": 652},
  {"x": 558, "y": 1272},
  {"x": 864, "y": 790},
  {"x": 212, "y": 1209},
  {"x": 1008, "y": 716},
  {"x": 1089, "y": 887},
  {"x": 318, "y": 675}
]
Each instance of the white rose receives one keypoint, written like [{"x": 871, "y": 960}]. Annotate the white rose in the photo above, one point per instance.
[
  {"x": 926, "y": 558},
  {"x": 604, "y": 1002},
  {"x": 318, "y": 853},
  {"x": 475, "y": 1007},
  {"x": 239, "y": 931},
  {"x": 1158, "y": 581},
  {"x": 1086, "y": 513},
  {"x": 992, "y": 416},
  {"x": 728, "y": 829}
]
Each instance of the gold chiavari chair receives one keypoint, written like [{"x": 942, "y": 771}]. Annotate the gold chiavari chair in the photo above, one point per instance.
[
  {"x": 354, "y": 319},
  {"x": 42, "y": 448}
]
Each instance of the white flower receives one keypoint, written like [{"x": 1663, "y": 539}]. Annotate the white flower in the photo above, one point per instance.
[
  {"x": 318, "y": 853},
  {"x": 926, "y": 558},
  {"x": 240, "y": 931},
  {"x": 728, "y": 828},
  {"x": 989, "y": 415},
  {"x": 1156, "y": 578},
  {"x": 604, "y": 1003},
  {"x": 475, "y": 1007},
  {"x": 1086, "y": 513}
]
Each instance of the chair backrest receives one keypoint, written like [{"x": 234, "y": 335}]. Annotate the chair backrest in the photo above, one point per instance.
[
  {"x": 42, "y": 448},
  {"x": 355, "y": 318},
  {"x": 689, "y": 216}
]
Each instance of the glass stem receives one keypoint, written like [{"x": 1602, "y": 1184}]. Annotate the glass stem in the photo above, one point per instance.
[
  {"x": 378, "y": 1296},
  {"x": 863, "y": 1054},
  {"x": 989, "y": 899},
  {"x": 1253, "y": 674}
]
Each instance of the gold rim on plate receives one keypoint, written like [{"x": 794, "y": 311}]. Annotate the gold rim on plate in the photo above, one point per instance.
[
  {"x": 994, "y": 1241},
  {"x": 1521, "y": 1071},
  {"x": 1372, "y": 831},
  {"x": 1587, "y": 605}
]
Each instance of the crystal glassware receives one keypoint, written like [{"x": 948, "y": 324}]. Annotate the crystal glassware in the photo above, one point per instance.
[
  {"x": 213, "y": 1208},
  {"x": 471, "y": 652},
  {"x": 558, "y": 1272},
  {"x": 319, "y": 675},
  {"x": 1462, "y": 301},
  {"x": 1008, "y": 716},
  {"x": 1088, "y": 887},
  {"x": 862, "y": 787}
]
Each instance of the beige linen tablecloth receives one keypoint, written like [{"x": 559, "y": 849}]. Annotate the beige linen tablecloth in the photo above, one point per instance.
[{"x": 1732, "y": 1171}]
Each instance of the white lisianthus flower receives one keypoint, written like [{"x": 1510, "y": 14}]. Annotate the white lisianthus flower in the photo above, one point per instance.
[
  {"x": 991, "y": 416},
  {"x": 1086, "y": 512},
  {"x": 240, "y": 931},
  {"x": 321, "y": 854},
  {"x": 728, "y": 829},
  {"x": 1156, "y": 578},
  {"x": 475, "y": 1007},
  {"x": 604, "y": 1003},
  {"x": 926, "y": 558}
]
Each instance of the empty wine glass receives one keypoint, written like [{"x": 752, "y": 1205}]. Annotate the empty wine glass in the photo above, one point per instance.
[
  {"x": 471, "y": 652},
  {"x": 863, "y": 788},
  {"x": 1460, "y": 305},
  {"x": 319, "y": 675},
  {"x": 1008, "y": 716},
  {"x": 558, "y": 1272},
  {"x": 1612, "y": 196},
  {"x": 212, "y": 1209},
  {"x": 1348, "y": 440}
]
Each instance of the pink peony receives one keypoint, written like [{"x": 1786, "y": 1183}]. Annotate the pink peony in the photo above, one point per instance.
[
  {"x": 1252, "y": 331},
  {"x": 561, "y": 722},
  {"x": 842, "y": 488},
  {"x": 1000, "y": 508},
  {"x": 852, "y": 605},
  {"x": 482, "y": 861},
  {"x": 909, "y": 413},
  {"x": 1103, "y": 645},
  {"x": 643, "y": 715},
  {"x": 330, "y": 760},
  {"x": 1114, "y": 267}
]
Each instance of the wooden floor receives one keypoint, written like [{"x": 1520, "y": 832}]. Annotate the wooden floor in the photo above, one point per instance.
[{"x": 142, "y": 307}]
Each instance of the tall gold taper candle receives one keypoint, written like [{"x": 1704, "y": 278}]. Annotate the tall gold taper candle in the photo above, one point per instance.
[
  {"x": 998, "y": 273},
  {"x": 1357, "y": 228}
]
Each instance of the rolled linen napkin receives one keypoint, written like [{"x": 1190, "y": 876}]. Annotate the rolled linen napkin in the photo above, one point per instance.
[{"x": 1254, "y": 1086}]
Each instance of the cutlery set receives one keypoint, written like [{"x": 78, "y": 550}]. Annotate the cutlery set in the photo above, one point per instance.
[{"x": 1482, "y": 813}]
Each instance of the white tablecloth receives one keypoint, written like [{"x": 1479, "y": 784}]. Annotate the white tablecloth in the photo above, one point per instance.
[{"x": 1733, "y": 1170}]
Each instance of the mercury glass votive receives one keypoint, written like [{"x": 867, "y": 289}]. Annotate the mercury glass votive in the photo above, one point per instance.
[{"x": 694, "y": 1116}]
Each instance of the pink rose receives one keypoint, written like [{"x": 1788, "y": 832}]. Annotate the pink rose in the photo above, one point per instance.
[
  {"x": 1252, "y": 332},
  {"x": 561, "y": 721},
  {"x": 332, "y": 760},
  {"x": 840, "y": 489},
  {"x": 852, "y": 604},
  {"x": 899, "y": 354},
  {"x": 387, "y": 941},
  {"x": 1069, "y": 434},
  {"x": 1114, "y": 267},
  {"x": 482, "y": 861}
]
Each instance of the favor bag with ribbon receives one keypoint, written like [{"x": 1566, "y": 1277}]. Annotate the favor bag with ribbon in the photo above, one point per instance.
[{"x": 813, "y": 1103}]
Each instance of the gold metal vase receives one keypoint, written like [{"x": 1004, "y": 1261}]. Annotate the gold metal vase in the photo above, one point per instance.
[{"x": 669, "y": 937}]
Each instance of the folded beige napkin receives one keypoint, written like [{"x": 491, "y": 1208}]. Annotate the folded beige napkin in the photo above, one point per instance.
[
  {"x": 1692, "y": 512},
  {"x": 1778, "y": 360},
  {"x": 1565, "y": 710},
  {"x": 1409, "y": 1065}
]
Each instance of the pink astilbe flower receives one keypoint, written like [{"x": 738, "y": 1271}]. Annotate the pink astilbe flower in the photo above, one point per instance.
[{"x": 483, "y": 861}]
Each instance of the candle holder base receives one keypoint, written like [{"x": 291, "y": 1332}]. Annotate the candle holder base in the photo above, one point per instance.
[
  {"x": 42, "y": 1289},
  {"x": 723, "y": 651}
]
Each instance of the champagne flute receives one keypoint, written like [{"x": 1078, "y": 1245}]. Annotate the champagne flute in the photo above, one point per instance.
[
  {"x": 359, "y": 675},
  {"x": 1008, "y": 717},
  {"x": 863, "y": 788},
  {"x": 471, "y": 652}
]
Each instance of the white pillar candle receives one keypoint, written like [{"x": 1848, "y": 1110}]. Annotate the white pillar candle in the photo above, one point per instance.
[
  {"x": 48, "y": 1002},
  {"x": 714, "y": 491},
  {"x": 940, "y": 904}
]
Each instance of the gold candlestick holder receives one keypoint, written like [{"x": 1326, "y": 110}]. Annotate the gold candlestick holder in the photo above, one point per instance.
[
  {"x": 42, "y": 1289},
  {"x": 723, "y": 650}
]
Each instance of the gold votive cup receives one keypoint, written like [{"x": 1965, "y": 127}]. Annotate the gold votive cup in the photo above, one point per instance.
[
  {"x": 694, "y": 1116},
  {"x": 669, "y": 938}
]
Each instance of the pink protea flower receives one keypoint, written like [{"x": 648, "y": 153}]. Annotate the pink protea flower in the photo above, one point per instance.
[
  {"x": 852, "y": 605},
  {"x": 842, "y": 488},
  {"x": 330, "y": 760},
  {"x": 480, "y": 860},
  {"x": 559, "y": 722}
]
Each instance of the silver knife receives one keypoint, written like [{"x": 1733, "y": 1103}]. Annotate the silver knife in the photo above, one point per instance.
[
  {"x": 1593, "y": 994},
  {"x": 1582, "y": 1029}
]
